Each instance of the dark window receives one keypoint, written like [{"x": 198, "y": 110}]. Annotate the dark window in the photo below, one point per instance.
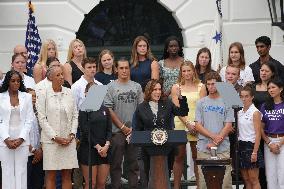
[{"x": 114, "y": 24}]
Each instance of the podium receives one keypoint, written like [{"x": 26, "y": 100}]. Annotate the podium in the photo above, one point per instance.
[
  {"x": 158, "y": 176},
  {"x": 213, "y": 171}
]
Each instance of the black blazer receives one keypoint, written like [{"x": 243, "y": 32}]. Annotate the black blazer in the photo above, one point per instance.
[
  {"x": 101, "y": 126},
  {"x": 143, "y": 116}
]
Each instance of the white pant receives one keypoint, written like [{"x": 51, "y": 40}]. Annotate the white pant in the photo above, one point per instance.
[
  {"x": 14, "y": 167},
  {"x": 274, "y": 167},
  {"x": 190, "y": 162}
]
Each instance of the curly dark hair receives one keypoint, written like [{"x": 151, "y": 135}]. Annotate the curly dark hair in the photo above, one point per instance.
[
  {"x": 8, "y": 76},
  {"x": 269, "y": 103},
  {"x": 167, "y": 42}
]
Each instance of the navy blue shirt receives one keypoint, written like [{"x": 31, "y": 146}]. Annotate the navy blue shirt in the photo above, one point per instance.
[
  {"x": 105, "y": 78},
  {"x": 142, "y": 73}
]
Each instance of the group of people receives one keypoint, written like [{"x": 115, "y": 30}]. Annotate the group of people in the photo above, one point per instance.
[{"x": 43, "y": 131}]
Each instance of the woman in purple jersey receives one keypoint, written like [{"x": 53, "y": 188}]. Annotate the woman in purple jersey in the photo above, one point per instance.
[{"x": 273, "y": 134}]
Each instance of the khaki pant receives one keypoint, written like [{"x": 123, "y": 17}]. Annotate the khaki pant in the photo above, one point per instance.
[{"x": 227, "y": 181}]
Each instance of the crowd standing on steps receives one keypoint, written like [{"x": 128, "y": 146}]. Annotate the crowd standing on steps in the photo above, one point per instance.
[{"x": 44, "y": 133}]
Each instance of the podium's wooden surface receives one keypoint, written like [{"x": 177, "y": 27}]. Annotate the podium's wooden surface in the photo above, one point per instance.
[
  {"x": 213, "y": 171},
  {"x": 159, "y": 173},
  {"x": 159, "y": 177}
]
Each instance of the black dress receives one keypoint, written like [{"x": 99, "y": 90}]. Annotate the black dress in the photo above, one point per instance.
[
  {"x": 259, "y": 98},
  {"x": 101, "y": 131},
  {"x": 76, "y": 72}
]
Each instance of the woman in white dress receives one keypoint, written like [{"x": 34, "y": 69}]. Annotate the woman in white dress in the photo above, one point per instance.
[
  {"x": 58, "y": 118},
  {"x": 16, "y": 114},
  {"x": 237, "y": 57}
]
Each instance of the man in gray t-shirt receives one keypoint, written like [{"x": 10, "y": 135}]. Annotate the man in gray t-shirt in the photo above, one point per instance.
[
  {"x": 122, "y": 98},
  {"x": 214, "y": 123}
]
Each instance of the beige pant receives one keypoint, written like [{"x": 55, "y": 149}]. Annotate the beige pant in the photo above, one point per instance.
[{"x": 227, "y": 181}]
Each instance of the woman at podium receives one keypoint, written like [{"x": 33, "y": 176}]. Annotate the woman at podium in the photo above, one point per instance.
[{"x": 156, "y": 112}]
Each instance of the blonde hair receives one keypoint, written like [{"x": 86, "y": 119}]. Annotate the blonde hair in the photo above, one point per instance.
[
  {"x": 134, "y": 54},
  {"x": 234, "y": 66},
  {"x": 43, "y": 51},
  {"x": 195, "y": 78},
  {"x": 70, "y": 54}
]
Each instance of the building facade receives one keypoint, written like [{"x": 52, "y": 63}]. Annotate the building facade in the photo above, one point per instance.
[{"x": 243, "y": 21}]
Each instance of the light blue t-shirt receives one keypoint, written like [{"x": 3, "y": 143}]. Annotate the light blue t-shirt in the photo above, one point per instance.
[{"x": 213, "y": 114}]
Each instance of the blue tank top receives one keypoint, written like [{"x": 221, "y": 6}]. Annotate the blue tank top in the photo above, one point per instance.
[{"x": 142, "y": 73}]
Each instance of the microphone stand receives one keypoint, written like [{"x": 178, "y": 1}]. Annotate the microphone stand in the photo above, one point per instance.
[
  {"x": 236, "y": 108},
  {"x": 89, "y": 149}
]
